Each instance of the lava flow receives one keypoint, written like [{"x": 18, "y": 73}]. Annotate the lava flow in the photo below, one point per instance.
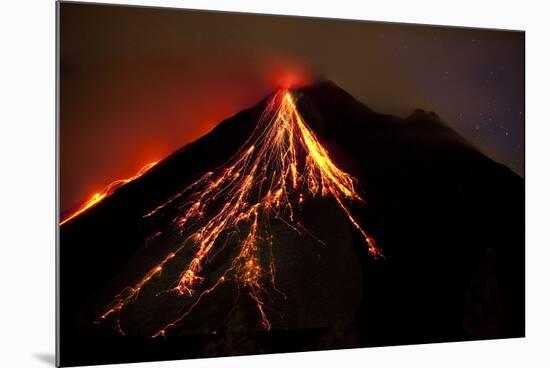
[
  {"x": 105, "y": 192},
  {"x": 278, "y": 168}
]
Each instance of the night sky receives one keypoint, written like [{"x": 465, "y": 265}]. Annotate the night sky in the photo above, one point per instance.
[{"x": 138, "y": 83}]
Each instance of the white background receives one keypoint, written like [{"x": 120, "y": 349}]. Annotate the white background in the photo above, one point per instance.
[{"x": 27, "y": 189}]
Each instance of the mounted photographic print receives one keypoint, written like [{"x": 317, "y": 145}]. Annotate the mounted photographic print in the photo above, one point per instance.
[{"x": 235, "y": 184}]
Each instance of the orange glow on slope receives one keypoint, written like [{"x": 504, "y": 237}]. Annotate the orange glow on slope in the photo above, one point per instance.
[
  {"x": 105, "y": 192},
  {"x": 278, "y": 168}
]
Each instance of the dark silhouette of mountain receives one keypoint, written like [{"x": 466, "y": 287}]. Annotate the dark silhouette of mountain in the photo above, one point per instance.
[{"x": 449, "y": 220}]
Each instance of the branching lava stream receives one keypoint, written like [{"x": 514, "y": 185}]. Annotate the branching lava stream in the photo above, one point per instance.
[{"x": 279, "y": 167}]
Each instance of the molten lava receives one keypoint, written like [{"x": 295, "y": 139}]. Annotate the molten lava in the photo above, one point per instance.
[
  {"x": 105, "y": 192},
  {"x": 278, "y": 168}
]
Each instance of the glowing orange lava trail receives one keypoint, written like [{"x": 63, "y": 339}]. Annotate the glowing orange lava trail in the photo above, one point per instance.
[
  {"x": 279, "y": 167},
  {"x": 107, "y": 191}
]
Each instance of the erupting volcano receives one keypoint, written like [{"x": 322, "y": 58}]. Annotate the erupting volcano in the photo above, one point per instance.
[
  {"x": 279, "y": 167},
  {"x": 253, "y": 239}
]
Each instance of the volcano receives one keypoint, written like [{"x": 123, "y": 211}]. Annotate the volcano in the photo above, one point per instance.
[{"x": 305, "y": 222}]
